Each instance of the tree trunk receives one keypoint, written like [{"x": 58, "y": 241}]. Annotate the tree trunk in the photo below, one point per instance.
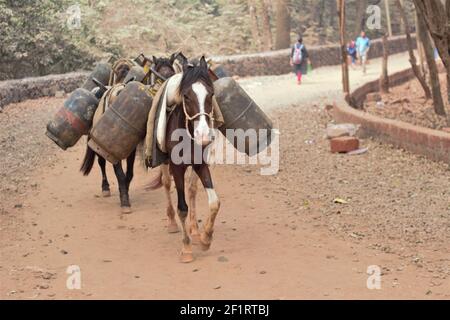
[
  {"x": 254, "y": 25},
  {"x": 436, "y": 18},
  {"x": 412, "y": 57},
  {"x": 360, "y": 14},
  {"x": 266, "y": 30},
  {"x": 283, "y": 24},
  {"x": 388, "y": 17},
  {"x": 420, "y": 29},
  {"x": 333, "y": 14},
  {"x": 345, "y": 75},
  {"x": 438, "y": 102},
  {"x": 384, "y": 80}
]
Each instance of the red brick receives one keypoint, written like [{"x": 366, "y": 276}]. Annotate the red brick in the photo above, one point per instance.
[{"x": 344, "y": 144}]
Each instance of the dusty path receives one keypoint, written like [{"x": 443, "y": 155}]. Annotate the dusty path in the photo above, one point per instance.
[
  {"x": 323, "y": 84},
  {"x": 277, "y": 237}
]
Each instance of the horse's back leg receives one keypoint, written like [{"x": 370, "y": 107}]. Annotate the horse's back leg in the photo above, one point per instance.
[
  {"x": 167, "y": 183},
  {"x": 106, "y": 191},
  {"x": 214, "y": 205},
  {"x": 178, "y": 175},
  {"x": 130, "y": 167},
  {"x": 123, "y": 188},
  {"x": 193, "y": 223}
]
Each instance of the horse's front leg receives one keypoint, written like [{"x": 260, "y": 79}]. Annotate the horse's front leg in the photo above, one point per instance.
[
  {"x": 106, "y": 191},
  {"x": 193, "y": 222},
  {"x": 178, "y": 175},
  {"x": 214, "y": 205},
  {"x": 123, "y": 188}
]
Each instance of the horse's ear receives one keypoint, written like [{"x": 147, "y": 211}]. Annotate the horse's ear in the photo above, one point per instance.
[
  {"x": 182, "y": 57},
  {"x": 172, "y": 58},
  {"x": 203, "y": 62}
]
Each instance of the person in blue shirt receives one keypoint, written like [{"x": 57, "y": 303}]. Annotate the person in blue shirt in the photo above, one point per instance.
[
  {"x": 352, "y": 54},
  {"x": 362, "y": 49}
]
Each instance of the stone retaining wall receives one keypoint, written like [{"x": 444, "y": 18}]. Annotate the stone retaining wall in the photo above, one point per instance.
[
  {"x": 268, "y": 63},
  {"x": 277, "y": 62},
  {"x": 14, "y": 91}
]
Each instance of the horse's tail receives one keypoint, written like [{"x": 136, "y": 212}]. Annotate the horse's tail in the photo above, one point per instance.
[
  {"x": 156, "y": 183},
  {"x": 88, "y": 161}
]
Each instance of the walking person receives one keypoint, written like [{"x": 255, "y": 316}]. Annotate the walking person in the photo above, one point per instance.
[
  {"x": 352, "y": 54},
  {"x": 362, "y": 48},
  {"x": 299, "y": 59}
]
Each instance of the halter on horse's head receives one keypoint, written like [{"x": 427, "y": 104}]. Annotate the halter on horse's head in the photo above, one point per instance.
[{"x": 196, "y": 91}]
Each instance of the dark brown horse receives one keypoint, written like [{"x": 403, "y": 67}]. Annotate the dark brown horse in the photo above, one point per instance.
[
  {"x": 164, "y": 67},
  {"x": 193, "y": 92}
]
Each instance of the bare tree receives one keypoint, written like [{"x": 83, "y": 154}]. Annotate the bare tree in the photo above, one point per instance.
[
  {"x": 428, "y": 49},
  {"x": 436, "y": 17},
  {"x": 360, "y": 14},
  {"x": 283, "y": 24},
  {"x": 388, "y": 17},
  {"x": 265, "y": 23},
  {"x": 412, "y": 57},
  {"x": 345, "y": 73},
  {"x": 254, "y": 24},
  {"x": 384, "y": 80}
]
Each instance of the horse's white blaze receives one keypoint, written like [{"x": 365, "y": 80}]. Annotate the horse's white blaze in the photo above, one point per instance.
[{"x": 201, "y": 130}]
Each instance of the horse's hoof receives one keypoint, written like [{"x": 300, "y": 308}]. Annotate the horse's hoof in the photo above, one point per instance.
[
  {"x": 126, "y": 210},
  {"x": 106, "y": 194},
  {"x": 173, "y": 228},
  {"x": 196, "y": 239},
  {"x": 187, "y": 257},
  {"x": 205, "y": 246},
  {"x": 205, "y": 242}
]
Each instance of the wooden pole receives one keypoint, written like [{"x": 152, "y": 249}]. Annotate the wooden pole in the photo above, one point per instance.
[
  {"x": 384, "y": 80},
  {"x": 388, "y": 17},
  {"x": 345, "y": 73}
]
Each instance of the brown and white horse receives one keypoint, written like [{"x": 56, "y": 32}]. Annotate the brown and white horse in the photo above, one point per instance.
[
  {"x": 163, "y": 66},
  {"x": 192, "y": 92}
]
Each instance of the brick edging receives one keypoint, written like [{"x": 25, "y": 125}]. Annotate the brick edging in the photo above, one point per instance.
[{"x": 431, "y": 143}]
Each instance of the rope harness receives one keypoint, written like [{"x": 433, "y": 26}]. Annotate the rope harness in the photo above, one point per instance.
[{"x": 189, "y": 118}]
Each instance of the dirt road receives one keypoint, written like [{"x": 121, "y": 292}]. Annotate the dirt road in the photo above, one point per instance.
[{"x": 278, "y": 237}]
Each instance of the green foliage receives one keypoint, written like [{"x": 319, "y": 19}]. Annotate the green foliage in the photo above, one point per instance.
[{"x": 37, "y": 41}]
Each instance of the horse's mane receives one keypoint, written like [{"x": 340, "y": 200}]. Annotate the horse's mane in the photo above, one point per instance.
[{"x": 193, "y": 74}]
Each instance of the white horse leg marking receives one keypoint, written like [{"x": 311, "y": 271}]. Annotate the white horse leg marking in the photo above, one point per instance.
[
  {"x": 194, "y": 229},
  {"x": 214, "y": 206},
  {"x": 167, "y": 182}
]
